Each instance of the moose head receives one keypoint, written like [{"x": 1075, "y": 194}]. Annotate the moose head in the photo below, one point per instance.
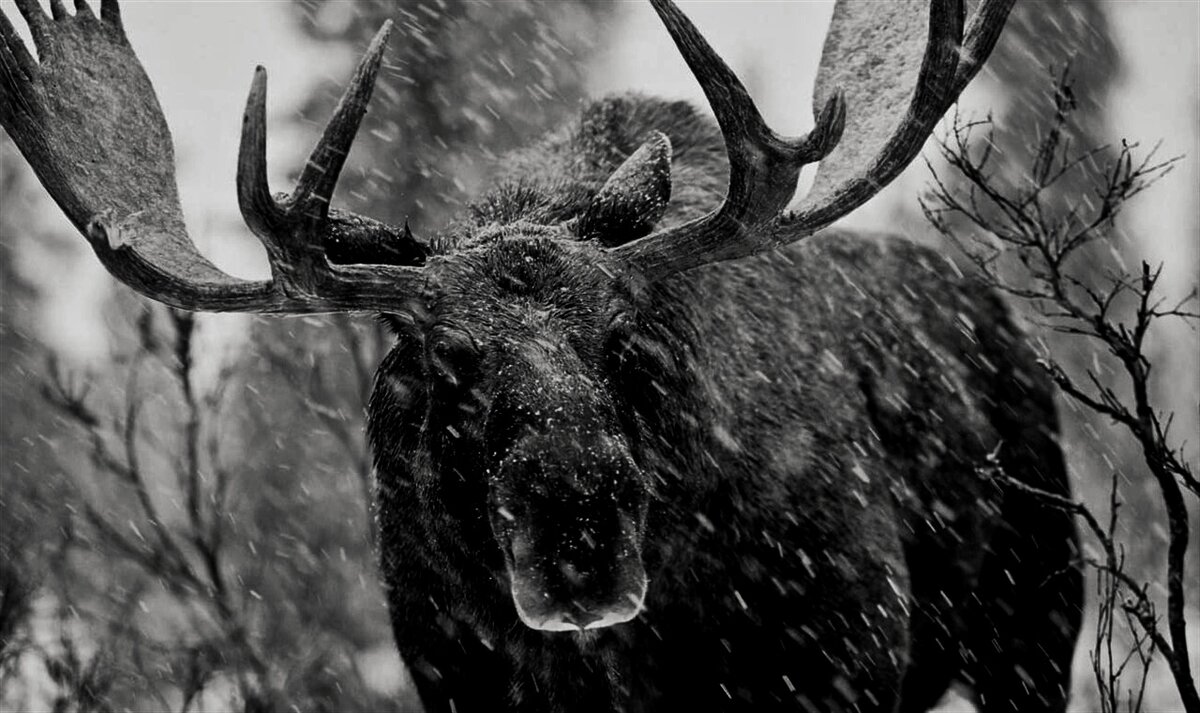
[{"x": 523, "y": 375}]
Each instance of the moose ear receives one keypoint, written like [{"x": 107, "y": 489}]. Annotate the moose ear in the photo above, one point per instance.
[{"x": 632, "y": 200}]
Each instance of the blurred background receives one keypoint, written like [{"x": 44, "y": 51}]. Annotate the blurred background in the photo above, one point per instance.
[{"x": 184, "y": 518}]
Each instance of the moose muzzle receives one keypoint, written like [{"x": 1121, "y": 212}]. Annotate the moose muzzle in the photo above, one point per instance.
[{"x": 569, "y": 511}]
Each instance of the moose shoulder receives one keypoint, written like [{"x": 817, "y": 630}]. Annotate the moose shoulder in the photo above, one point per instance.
[{"x": 638, "y": 446}]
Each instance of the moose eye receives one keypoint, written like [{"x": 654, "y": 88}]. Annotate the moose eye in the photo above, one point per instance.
[{"x": 453, "y": 355}]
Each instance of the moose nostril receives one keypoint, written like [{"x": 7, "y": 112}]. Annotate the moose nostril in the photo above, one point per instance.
[{"x": 571, "y": 574}]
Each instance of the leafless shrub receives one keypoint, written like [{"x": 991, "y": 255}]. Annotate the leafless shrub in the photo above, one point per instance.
[
  {"x": 1022, "y": 246},
  {"x": 162, "y": 508}
]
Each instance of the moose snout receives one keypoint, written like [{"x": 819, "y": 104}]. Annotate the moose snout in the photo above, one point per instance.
[
  {"x": 570, "y": 513},
  {"x": 566, "y": 595}
]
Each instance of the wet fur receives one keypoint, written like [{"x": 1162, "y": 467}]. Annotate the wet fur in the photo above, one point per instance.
[{"x": 811, "y": 421}]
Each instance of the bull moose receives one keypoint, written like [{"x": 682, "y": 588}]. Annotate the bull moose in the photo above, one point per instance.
[{"x": 639, "y": 446}]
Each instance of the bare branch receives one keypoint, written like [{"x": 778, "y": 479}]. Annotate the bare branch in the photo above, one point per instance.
[{"x": 1031, "y": 251}]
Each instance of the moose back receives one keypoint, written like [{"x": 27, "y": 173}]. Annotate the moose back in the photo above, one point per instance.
[{"x": 639, "y": 447}]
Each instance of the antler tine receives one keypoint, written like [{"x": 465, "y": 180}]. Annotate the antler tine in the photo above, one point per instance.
[
  {"x": 262, "y": 213},
  {"x": 763, "y": 166},
  {"x": 980, "y": 37},
  {"x": 110, "y": 11},
  {"x": 15, "y": 58},
  {"x": 316, "y": 183},
  {"x": 741, "y": 123},
  {"x": 763, "y": 175},
  {"x": 300, "y": 233},
  {"x": 37, "y": 21},
  {"x": 82, "y": 9}
]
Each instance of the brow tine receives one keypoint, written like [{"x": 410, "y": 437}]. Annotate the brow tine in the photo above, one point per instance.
[
  {"x": 260, "y": 211},
  {"x": 314, "y": 189}
]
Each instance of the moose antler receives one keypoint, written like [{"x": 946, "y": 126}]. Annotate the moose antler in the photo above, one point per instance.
[
  {"x": 869, "y": 53},
  {"x": 86, "y": 118}
]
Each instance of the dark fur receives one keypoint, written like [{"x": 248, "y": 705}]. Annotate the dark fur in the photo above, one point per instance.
[{"x": 806, "y": 427}]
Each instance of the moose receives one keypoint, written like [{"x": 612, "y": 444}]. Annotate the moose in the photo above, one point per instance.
[{"x": 648, "y": 439}]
